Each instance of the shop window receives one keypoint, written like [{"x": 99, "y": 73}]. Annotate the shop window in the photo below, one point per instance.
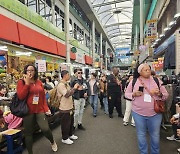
[
  {"x": 87, "y": 40},
  {"x": 75, "y": 26},
  {"x": 32, "y": 4},
  {"x": 57, "y": 9},
  {"x": 58, "y": 21},
  {"x": 48, "y": 15},
  {"x": 75, "y": 33},
  {"x": 22, "y": 1},
  {"x": 70, "y": 27},
  {"x": 61, "y": 13},
  {"x": 96, "y": 48},
  {"x": 42, "y": 8},
  {"x": 62, "y": 24},
  {"x": 48, "y": 2},
  {"x": 70, "y": 21}
]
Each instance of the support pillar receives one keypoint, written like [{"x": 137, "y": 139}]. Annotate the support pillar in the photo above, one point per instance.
[
  {"x": 178, "y": 6},
  {"x": 141, "y": 21},
  {"x": 101, "y": 58},
  {"x": 106, "y": 56},
  {"x": 53, "y": 11},
  {"x": 67, "y": 31},
  {"x": 93, "y": 40}
]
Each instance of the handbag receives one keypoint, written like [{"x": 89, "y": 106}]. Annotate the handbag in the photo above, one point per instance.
[
  {"x": 159, "y": 105},
  {"x": 19, "y": 107}
]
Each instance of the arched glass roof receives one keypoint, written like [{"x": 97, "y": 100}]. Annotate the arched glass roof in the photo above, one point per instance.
[{"x": 116, "y": 17}]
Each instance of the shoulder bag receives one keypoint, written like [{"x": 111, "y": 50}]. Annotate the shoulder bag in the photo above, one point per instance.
[
  {"x": 19, "y": 107},
  {"x": 159, "y": 106}
]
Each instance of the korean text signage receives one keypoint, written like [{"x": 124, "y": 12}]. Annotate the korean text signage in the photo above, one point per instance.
[
  {"x": 41, "y": 65},
  {"x": 158, "y": 65},
  {"x": 151, "y": 29},
  {"x": 80, "y": 58}
]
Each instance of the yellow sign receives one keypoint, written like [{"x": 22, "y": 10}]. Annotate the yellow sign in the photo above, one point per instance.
[
  {"x": 50, "y": 67},
  {"x": 56, "y": 66}
]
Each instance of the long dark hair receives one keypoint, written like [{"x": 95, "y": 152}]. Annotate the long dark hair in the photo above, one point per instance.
[
  {"x": 35, "y": 71},
  {"x": 136, "y": 74}
]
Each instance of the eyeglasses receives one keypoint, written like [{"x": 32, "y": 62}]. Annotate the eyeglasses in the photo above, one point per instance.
[
  {"x": 30, "y": 70},
  {"x": 79, "y": 72}
]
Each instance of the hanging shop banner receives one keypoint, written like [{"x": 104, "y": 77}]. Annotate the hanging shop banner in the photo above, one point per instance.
[
  {"x": 121, "y": 53},
  {"x": 151, "y": 32},
  {"x": 80, "y": 58},
  {"x": 158, "y": 65},
  {"x": 41, "y": 65},
  {"x": 161, "y": 62}
]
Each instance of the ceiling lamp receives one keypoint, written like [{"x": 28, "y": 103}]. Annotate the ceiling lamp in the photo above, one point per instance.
[
  {"x": 162, "y": 35},
  {"x": 152, "y": 46},
  {"x": 157, "y": 40},
  {"x": 166, "y": 29},
  {"x": 177, "y": 15},
  {"x": 172, "y": 23}
]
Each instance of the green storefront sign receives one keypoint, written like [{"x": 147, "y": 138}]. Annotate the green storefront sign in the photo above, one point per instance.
[{"x": 23, "y": 11}]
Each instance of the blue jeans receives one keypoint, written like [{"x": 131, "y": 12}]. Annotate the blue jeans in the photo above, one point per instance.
[
  {"x": 152, "y": 125},
  {"x": 93, "y": 99},
  {"x": 105, "y": 102}
]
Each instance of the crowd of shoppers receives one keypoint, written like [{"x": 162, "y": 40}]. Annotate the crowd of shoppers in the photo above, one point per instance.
[{"x": 140, "y": 90}]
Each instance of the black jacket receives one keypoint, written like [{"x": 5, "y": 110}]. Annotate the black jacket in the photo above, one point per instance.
[
  {"x": 112, "y": 86},
  {"x": 79, "y": 93},
  {"x": 95, "y": 88}
]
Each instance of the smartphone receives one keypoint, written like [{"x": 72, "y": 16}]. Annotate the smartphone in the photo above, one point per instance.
[{"x": 141, "y": 89}]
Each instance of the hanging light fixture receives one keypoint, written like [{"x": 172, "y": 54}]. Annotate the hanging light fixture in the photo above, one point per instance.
[
  {"x": 172, "y": 23},
  {"x": 161, "y": 35},
  {"x": 177, "y": 15},
  {"x": 166, "y": 29}
]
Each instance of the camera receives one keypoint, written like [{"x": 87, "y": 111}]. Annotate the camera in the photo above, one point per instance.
[{"x": 174, "y": 80}]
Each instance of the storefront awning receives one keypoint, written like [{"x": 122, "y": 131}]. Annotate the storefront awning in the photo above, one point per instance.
[{"x": 88, "y": 60}]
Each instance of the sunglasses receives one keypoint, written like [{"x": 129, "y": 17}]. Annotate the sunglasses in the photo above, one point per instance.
[{"x": 79, "y": 72}]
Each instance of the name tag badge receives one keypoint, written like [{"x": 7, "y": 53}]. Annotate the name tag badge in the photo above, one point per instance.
[
  {"x": 35, "y": 100},
  {"x": 147, "y": 98}
]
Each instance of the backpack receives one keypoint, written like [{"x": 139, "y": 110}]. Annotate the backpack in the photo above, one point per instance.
[
  {"x": 135, "y": 79},
  {"x": 54, "y": 99}
]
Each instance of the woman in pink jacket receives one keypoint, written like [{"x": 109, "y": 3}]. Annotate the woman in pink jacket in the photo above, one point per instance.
[{"x": 146, "y": 119}]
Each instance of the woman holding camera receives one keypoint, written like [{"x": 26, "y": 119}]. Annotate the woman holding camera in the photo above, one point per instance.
[
  {"x": 31, "y": 88},
  {"x": 143, "y": 94}
]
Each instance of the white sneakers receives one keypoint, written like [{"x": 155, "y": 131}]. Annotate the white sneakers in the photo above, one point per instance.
[
  {"x": 54, "y": 147},
  {"x": 69, "y": 140},
  {"x": 73, "y": 137},
  {"x": 125, "y": 123},
  {"x": 133, "y": 124}
]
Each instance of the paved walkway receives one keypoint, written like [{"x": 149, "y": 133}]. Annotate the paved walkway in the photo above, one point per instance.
[{"x": 102, "y": 136}]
